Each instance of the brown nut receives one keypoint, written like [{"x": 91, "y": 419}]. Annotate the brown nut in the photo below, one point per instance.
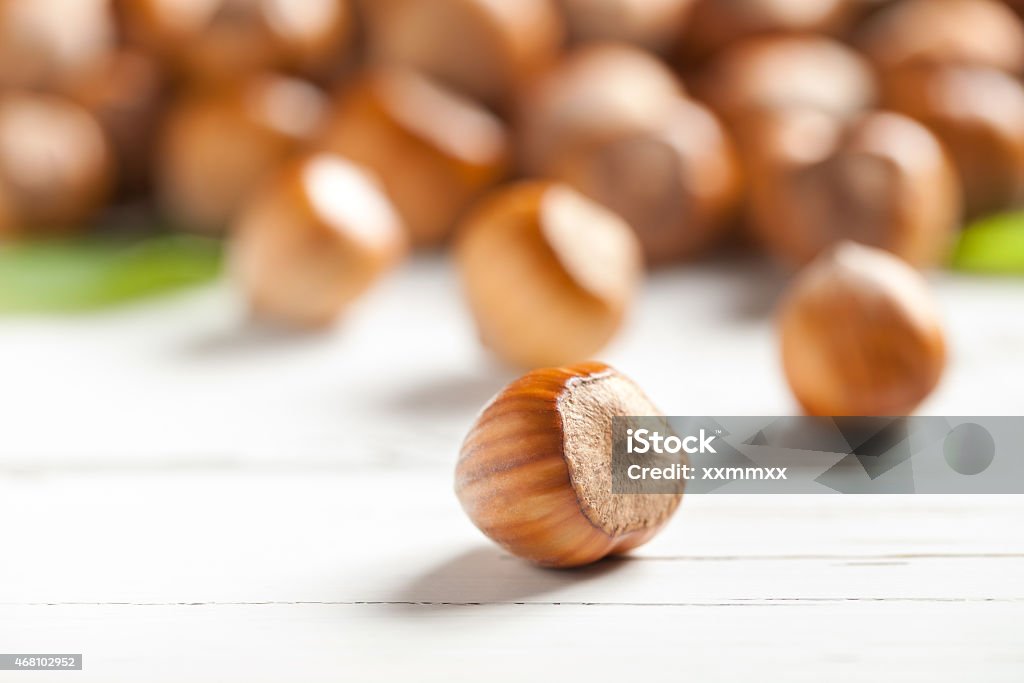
[
  {"x": 677, "y": 183},
  {"x": 548, "y": 274},
  {"x": 217, "y": 146},
  {"x": 317, "y": 237},
  {"x": 654, "y": 25},
  {"x": 224, "y": 39},
  {"x": 790, "y": 72},
  {"x": 434, "y": 151},
  {"x": 597, "y": 93},
  {"x": 978, "y": 113},
  {"x": 717, "y": 24},
  {"x": 487, "y": 49},
  {"x": 535, "y": 474},
  {"x": 126, "y": 93},
  {"x": 55, "y": 165},
  {"x": 884, "y": 181},
  {"x": 861, "y": 335},
  {"x": 51, "y": 43},
  {"x": 965, "y": 32}
]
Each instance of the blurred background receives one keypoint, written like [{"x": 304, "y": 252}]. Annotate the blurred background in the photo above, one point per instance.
[{"x": 346, "y": 194}]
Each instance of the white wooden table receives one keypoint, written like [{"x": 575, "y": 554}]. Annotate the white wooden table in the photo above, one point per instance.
[{"x": 186, "y": 498}]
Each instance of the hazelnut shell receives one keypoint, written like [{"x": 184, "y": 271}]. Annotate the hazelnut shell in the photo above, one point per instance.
[
  {"x": 316, "y": 237},
  {"x": 548, "y": 274},
  {"x": 676, "y": 183},
  {"x": 534, "y": 473},
  {"x": 861, "y": 335},
  {"x": 596, "y": 93},
  {"x": 487, "y": 49},
  {"x": 884, "y": 180},
  {"x": 56, "y": 168},
  {"x": 218, "y": 145},
  {"x": 434, "y": 151}
]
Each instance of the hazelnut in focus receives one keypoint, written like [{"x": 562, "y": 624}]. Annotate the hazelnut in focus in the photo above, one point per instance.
[
  {"x": 487, "y": 50},
  {"x": 434, "y": 151},
  {"x": 535, "y": 472},
  {"x": 313, "y": 240},
  {"x": 548, "y": 274},
  {"x": 222, "y": 39},
  {"x": 883, "y": 180},
  {"x": 56, "y": 168},
  {"x": 861, "y": 335},
  {"x": 217, "y": 145}
]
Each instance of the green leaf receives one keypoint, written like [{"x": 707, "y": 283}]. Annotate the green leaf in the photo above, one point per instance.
[
  {"x": 993, "y": 245},
  {"x": 96, "y": 272}
]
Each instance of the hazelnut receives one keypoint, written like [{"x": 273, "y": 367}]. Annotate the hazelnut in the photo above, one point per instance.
[
  {"x": 313, "y": 240},
  {"x": 488, "y": 50},
  {"x": 767, "y": 74},
  {"x": 51, "y": 43},
  {"x": 216, "y": 146},
  {"x": 861, "y": 335},
  {"x": 598, "y": 92},
  {"x": 717, "y": 24},
  {"x": 651, "y": 24},
  {"x": 55, "y": 165},
  {"x": 676, "y": 184},
  {"x": 548, "y": 273},
  {"x": 966, "y": 32},
  {"x": 534, "y": 473},
  {"x": 223, "y": 39},
  {"x": 434, "y": 151},
  {"x": 126, "y": 94},
  {"x": 883, "y": 180},
  {"x": 978, "y": 113}
]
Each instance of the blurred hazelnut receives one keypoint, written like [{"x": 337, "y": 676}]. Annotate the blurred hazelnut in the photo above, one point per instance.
[
  {"x": 966, "y": 32},
  {"x": 861, "y": 335},
  {"x": 434, "y": 151},
  {"x": 486, "y": 49},
  {"x": 317, "y": 236},
  {"x": 598, "y": 92},
  {"x": 548, "y": 273},
  {"x": 55, "y": 165},
  {"x": 978, "y": 113},
  {"x": 535, "y": 470},
  {"x": 676, "y": 183},
  {"x": 216, "y": 146},
  {"x": 126, "y": 93},
  {"x": 51, "y": 43},
  {"x": 790, "y": 72},
  {"x": 215, "y": 39},
  {"x": 883, "y": 181},
  {"x": 717, "y": 24},
  {"x": 651, "y": 24}
]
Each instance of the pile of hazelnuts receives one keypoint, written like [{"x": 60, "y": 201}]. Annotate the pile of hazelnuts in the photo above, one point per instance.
[{"x": 558, "y": 147}]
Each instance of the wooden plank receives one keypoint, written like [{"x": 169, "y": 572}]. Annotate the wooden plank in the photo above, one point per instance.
[
  {"x": 311, "y": 643},
  {"x": 379, "y": 537}
]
